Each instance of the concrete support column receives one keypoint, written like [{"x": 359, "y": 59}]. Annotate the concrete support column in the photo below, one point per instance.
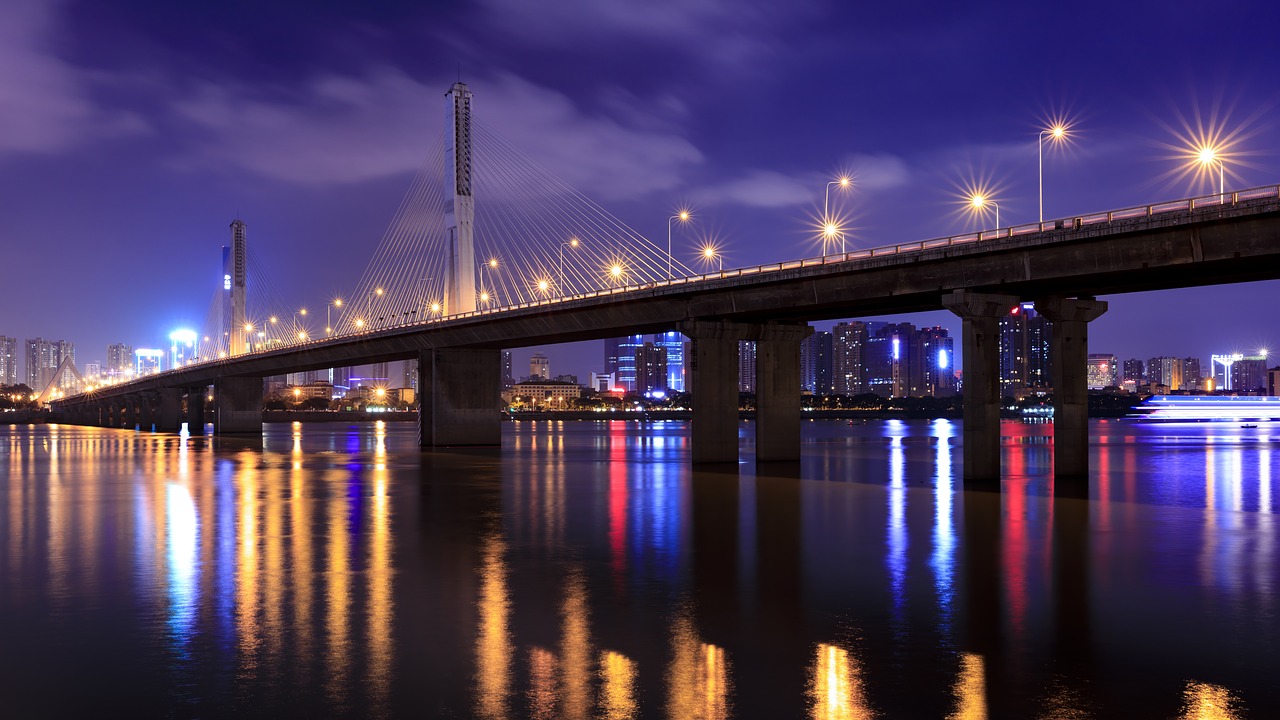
[
  {"x": 239, "y": 405},
  {"x": 981, "y": 315},
  {"x": 169, "y": 410},
  {"x": 129, "y": 412},
  {"x": 778, "y": 395},
  {"x": 1070, "y": 348},
  {"x": 195, "y": 410},
  {"x": 146, "y": 412},
  {"x": 114, "y": 413},
  {"x": 714, "y": 380},
  {"x": 459, "y": 393}
]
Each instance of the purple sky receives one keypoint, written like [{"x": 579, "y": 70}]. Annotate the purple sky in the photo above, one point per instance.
[{"x": 131, "y": 133}]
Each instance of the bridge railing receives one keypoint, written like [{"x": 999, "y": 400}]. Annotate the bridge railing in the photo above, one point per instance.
[{"x": 1071, "y": 222}]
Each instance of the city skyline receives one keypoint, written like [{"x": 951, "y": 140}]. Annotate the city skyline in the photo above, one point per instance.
[{"x": 164, "y": 139}]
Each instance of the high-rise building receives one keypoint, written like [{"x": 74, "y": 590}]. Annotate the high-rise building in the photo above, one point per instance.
[
  {"x": 746, "y": 366},
  {"x": 147, "y": 361},
  {"x": 651, "y": 368},
  {"x": 1249, "y": 374},
  {"x": 620, "y": 359},
  {"x": 887, "y": 360},
  {"x": 932, "y": 363},
  {"x": 848, "y": 343},
  {"x": 8, "y": 360},
  {"x": 1025, "y": 357},
  {"x": 1273, "y": 381},
  {"x": 381, "y": 373},
  {"x": 507, "y": 379},
  {"x": 43, "y": 359},
  {"x": 1101, "y": 371},
  {"x": 816, "y": 363},
  {"x": 673, "y": 342},
  {"x": 340, "y": 379},
  {"x": 409, "y": 374},
  {"x": 539, "y": 367},
  {"x": 92, "y": 371},
  {"x": 1165, "y": 371},
  {"x": 119, "y": 360},
  {"x": 1191, "y": 376},
  {"x": 1133, "y": 371}
]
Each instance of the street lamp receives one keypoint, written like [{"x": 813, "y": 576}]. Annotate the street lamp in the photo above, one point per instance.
[
  {"x": 328, "y": 319},
  {"x": 980, "y": 202},
  {"x": 830, "y": 231},
  {"x": 486, "y": 291},
  {"x": 573, "y": 243},
  {"x": 1057, "y": 132},
  {"x": 682, "y": 216},
  {"x": 844, "y": 181},
  {"x": 709, "y": 253},
  {"x": 1207, "y": 155}
]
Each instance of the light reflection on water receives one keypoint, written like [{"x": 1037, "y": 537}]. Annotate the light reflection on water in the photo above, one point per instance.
[{"x": 586, "y": 571}]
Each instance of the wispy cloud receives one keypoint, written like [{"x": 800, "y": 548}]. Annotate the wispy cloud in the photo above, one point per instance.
[
  {"x": 46, "y": 103},
  {"x": 351, "y": 129},
  {"x": 770, "y": 189}
]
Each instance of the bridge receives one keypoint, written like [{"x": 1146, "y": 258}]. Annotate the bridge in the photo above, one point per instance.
[{"x": 456, "y": 337}]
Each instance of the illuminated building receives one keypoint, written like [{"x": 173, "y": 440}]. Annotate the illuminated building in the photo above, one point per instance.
[
  {"x": 651, "y": 368},
  {"x": 119, "y": 360},
  {"x": 848, "y": 341},
  {"x": 1025, "y": 357},
  {"x": 1101, "y": 371},
  {"x": 1273, "y": 381},
  {"x": 746, "y": 366},
  {"x": 539, "y": 367},
  {"x": 43, "y": 359},
  {"x": 673, "y": 342},
  {"x": 1249, "y": 374},
  {"x": 147, "y": 362},
  {"x": 507, "y": 379},
  {"x": 8, "y": 360},
  {"x": 602, "y": 382},
  {"x": 1166, "y": 371},
  {"x": 92, "y": 371},
  {"x": 1133, "y": 372},
  {"x": 620, "y": 359},
  {"x": 887, "y": 360},
  {"x": 410, "y": 374},
  {"x": 1191, "y": 377},
  {"x": 932, "y": 363},
  {"x": 543, "y": 393},
  {"x": 815, "y": 363}
]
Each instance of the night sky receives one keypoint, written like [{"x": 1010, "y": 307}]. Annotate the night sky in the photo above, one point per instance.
[{"x": 132, "y": 133}]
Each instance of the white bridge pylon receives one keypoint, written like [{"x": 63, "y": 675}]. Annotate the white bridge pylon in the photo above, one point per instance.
[{"x": 485, "y": 226}]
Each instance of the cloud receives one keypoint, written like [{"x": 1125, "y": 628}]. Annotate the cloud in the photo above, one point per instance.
[
  {"x": 759, "y": 188},
  {"x": 770, "y": 189},
  {"x": 46, "y": 104},
  {"x": 350, "y": 129}
]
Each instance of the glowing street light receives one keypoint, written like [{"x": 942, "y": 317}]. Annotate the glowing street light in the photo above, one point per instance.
[
  {"x": 980, "y": 202},
  {"x": 544, "y": 285},
  {"x": 1056, "y": 132},
  {"x": 328, "y": 319},
  {"x": 616, "y": 272},
  {"x": 682, "y": 216},
  {"x": 831, "y": 231},
  {"x": 436, "y": 308},
  {"x": 573, "y": 243},
  {"x": 709, "y": 254},
  {"x": 1207, "y": 155}
]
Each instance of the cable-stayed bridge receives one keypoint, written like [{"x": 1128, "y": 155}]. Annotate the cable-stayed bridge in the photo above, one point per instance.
[{"x": 488, "y": 250}]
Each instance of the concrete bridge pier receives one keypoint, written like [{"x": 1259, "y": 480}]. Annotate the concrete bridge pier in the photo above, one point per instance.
[
  {"x": 146, "y": 412},
  {"x": 129, "y": 412},
  {"x": 1070, "y": 348},
  {"x": 195, "y": 411},
  {"x": 169, "y": 410},
  {"x": 714, "y": 383},
  {"x": 981, "y": 313},
  {"x": 458, "y": 390},
  {"x": 239, "y": 406}
]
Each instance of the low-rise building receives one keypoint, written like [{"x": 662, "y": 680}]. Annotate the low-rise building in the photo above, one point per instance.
[{"x": 543, "y": 393}]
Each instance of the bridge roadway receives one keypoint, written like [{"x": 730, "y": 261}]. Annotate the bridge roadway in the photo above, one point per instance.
[{"x": 1061, "y": 265}]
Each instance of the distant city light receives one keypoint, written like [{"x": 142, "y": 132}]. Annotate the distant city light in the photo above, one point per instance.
[
  {"x": 226, "y": 282},
  {"x": 942, "y": 359},
  {"x": 183, "y": 336}
]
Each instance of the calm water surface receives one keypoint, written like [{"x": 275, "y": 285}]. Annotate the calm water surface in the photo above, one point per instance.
[{"x": 586, "y": 571}]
